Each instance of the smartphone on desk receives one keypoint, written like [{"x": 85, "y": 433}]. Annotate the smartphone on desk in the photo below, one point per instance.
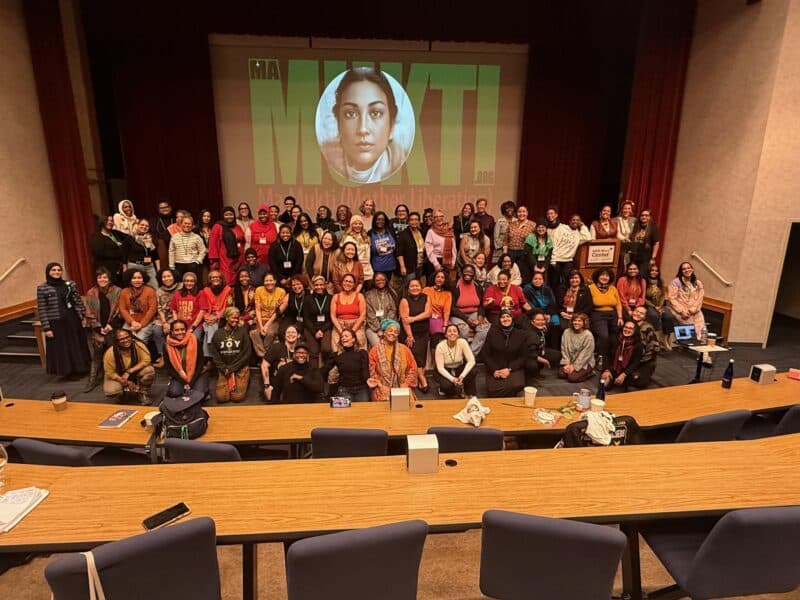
[{"x": 167, "y": 516}]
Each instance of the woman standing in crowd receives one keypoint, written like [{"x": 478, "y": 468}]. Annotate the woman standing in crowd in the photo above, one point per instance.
[
  {"x": 141, "y": 251},
  {"x": 125, "y": 221},
  {"x": 382, "y": 246},
  {"x": 102, "y": 316},
  {"x": 606, "y": 315},
  {"x": 481, "y": 275},
  {"x": 244, "y": 219},
  {"x": 214, "y": 299},
  {"x": 415, "y": 313},
  {"x": 348, "y": 311},
  {"x": 226, "y": 245},
  {"x": 268, "y": 298},
  {"x": 604, "y": 227},
  {"x": 539, "y": 249},
  {"x": 411, "y": 250},
  {"x": 230, "y": 350},
  {"x": 138, "y": 306},
  {"x": 518, "y": 230},
  {"x": 342, "y": 223},
  {"x": 441, "y": 301},
  {"x": 400, "y": 221},
  {"x": 631, "y": 288},
  {"x": 291, "y": 306},
  {"x": 367, "y": 210},
  {"x": 324, "y": 220},
  {"x": 205, "y": 221},
  {"x": 62, "y": 313},
  {"x": 187, "y": 250},
  {"x": 255, "y": 269},
  {"x": 461, "y": 223},
  {"x": 288, "y": 204},
  {"x": 322, "y": 258},
  {"x": 658, "y": 313},
  {"x": 504, "y": 354},
  {"x": 244, "y": 298},
  {"x": 577, "y": 350},
  {"x": 625, "y": 223},
  {"x": 349, "y": 369},
  {"x": 168, "y": 286},
  {"x": 467, "y": 309},
  {"x": 263, "y": 233},
  {"x": 427, "y": 221},
  {"x": 381, "y": 303},
  {"x": 159, "y": 227},
  {"x": 627, "y": 356},
  {"x": 507, "y": 210},
  {"x": 297, "y": 210},
  {"x": 474, "y": 242},
  {"x": 576, "y": 299},
  {"x": 184, "y": 362},
  {"x": 278, "y": 354},
  {"x": 440, "y": 245},
  {"x": 505, "y": 263},
  {"x": 455, "y": 363},
  {"x": 484, "y": 219},
  {"x": 285, "y": 257},
  {"x": 185, "y": 305},
  {"x": 504, "y": 295},
  {"x": 317, "y": 322},
  {"x": 391, "y": 364},
  {"x": 645, "y": 240},
  {"x": 305, "y": 233},
  {"x": 347, "y": 263},
  {"x": 358, "y": 235},
  {"x": 107, "y": 249},
  {"x": 686, "y": 295}
]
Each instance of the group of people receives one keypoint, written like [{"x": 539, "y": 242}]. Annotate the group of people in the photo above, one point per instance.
[{"x": 362, "y": 302}]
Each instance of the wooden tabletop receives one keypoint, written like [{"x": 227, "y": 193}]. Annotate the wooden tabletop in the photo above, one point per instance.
[
  {"x": 291, "y": 423},
  {"x": 274, "y": 500}
]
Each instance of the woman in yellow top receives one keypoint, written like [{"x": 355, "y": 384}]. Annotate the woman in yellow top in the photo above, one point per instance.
[
  {"x": 268, "y": 298},
  {"x": 441, "y": 301},
  {"x": 305, "y": 233},
  {"x": 606, "y": 315}
]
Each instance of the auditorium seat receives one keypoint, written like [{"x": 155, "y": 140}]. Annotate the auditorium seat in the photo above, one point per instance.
[
  {"x": 36, "y": 452},
  {"x": 332, "y": 442},
  {"x": 721, "y": 427},
  {"x": 526, "y": 556},
  {"x": 462, "y": 439},
  {"x": 191, "y": 451}
]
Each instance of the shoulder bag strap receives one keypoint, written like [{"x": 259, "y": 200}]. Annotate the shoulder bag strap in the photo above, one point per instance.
[{"x": 96, "y": 591}]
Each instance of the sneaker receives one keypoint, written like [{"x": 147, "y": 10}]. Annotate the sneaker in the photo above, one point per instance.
[{"x": 144, "y": 399}]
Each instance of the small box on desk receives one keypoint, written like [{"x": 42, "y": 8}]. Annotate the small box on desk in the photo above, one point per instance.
[
  {"x": 794, "y": 374},
  {"x": 423, "y": 454},
  {"x": 401, "y": 398}
]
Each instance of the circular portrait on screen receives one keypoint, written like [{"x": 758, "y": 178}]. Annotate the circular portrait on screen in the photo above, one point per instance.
[{"x": 365, "y": 125}]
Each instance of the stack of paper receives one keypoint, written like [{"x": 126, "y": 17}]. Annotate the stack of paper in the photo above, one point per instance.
[{"x": 15, "y": 504}]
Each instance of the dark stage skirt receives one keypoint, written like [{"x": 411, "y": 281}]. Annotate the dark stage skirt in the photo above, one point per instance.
[{"x": 67, "y": 350}]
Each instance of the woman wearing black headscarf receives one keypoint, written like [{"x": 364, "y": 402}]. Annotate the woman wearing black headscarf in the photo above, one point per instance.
[
  {"x": 226, "y": 245},
  {"x": 62, "y": 313}
]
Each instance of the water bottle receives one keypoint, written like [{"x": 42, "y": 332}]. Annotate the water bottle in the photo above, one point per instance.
[
  {"x": 601, "y": 390},
  {"x": 727, "y": 378},
  {"x": 704, "y": 335}
]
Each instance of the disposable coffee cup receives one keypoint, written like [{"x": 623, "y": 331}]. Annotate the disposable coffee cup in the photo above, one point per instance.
[
  {"x": 530, "y": 396},
  {"x": 711, "y": 339},
  {"x": 59, "y": 401},
  {"x": 598, "y": 405}
]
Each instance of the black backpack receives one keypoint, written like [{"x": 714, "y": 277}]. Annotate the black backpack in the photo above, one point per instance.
[
  {"x": 626, "y": 431},
  {"x": 182, "y": 417}
]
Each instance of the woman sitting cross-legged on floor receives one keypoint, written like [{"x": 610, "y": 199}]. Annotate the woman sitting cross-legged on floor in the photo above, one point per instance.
[
  {"x": 231, "y": 351},
  {"x": 577, "y": 350},
  {"x": 184, "y": 362},
  {"x": 391, "y": 364},
  {"x": 626, "y": 358}
]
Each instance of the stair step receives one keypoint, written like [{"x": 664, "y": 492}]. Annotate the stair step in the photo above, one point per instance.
[
  {"x": 26, "y": 337},
  {"x": 16, "y": 354},
  {"x": 28, "y": 322}
]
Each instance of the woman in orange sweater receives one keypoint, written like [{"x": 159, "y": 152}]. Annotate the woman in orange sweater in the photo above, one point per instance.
[
  {"x": 441, "y": 302},
  {"x": 606, "y": 312},
  {"x": 138, "y": 305}
]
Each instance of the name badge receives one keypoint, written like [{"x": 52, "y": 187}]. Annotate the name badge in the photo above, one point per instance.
[
  {"x": 540, "y": 258},
  {"x": 320, "y": 318},
  {"x": 299, "y": 319},
  {"x": 147, "y": 260},
  {"x": 378, "y": 313},
  {"x": 632, "y": 301},
  {"x": 287, "y": 264},
  {"x": 306, "y": 250},
  {"x": 262, "y": 241}
]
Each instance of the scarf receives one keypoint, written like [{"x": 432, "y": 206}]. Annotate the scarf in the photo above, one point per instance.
[
  {"x": 145, "y": 240},
  {"x": 445, "y": 230},
  {"x": 183, "y": 355},
  {"x": 622, "y": 355},
  {"x": 136, "y": 300},
  {"x": 552, "y": 224},
  {"x": 61, "y": 287},
  {"x": 391, "y": 363},
  {"x": 217, "y": 297},
  {"x": 228, "y": 236},
  {"x": 119, "y": 365}
]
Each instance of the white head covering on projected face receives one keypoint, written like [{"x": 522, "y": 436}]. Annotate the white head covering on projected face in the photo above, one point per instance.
[{"x": 365, "y": 125}]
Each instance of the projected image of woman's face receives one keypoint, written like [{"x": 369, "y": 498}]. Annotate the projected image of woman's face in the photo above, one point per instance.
[{"x": 365, "y": 125}]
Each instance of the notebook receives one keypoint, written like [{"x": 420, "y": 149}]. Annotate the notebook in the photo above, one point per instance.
[
  {"x": 118, "y": 418},
  {"x": 15, "y": 504}
]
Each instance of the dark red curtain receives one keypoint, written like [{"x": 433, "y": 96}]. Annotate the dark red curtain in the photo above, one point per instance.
[
  {"x": 656, "y": 100},
  {"x": 165, "y": 114},
  {"x": 60, "y": 122},
  {"x": 580, "y": 68}
]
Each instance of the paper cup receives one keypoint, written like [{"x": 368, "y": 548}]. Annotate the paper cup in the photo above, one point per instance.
[
  {"x": 59, "y": 401},
  {"x": 712, "y": 339},
  {"x": 530, "y": 396},
  {"x": 597, "y": 405}
]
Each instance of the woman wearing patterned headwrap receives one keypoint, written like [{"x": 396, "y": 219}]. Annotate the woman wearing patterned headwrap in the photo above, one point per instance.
[{"x": 391, "y": 363}]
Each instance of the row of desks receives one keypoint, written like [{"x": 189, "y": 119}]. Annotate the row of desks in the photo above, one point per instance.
[{"x": 293, "y": 423}]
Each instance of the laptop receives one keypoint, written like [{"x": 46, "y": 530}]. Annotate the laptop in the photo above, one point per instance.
[{"x": 685, "y": 335}]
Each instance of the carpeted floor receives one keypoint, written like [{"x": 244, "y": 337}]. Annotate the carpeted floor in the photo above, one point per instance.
[{"x": 449, "y": 571}]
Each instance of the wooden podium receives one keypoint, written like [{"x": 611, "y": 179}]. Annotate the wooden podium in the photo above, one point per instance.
[{"x": 595, "y": 254}]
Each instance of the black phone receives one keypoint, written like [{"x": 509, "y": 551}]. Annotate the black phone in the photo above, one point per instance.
[{"x": 167, "y": 516}]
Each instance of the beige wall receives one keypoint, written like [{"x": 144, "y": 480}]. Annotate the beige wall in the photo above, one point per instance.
[
  {"x": 734, "y": 188},
  {"x": 788, "y": 302},
  {"x": 30, "y": 227}
]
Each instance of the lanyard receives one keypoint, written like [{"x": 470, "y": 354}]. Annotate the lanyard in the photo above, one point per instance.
[
  {"x": 299, "y": 307},
  {"x": 286, "y": 251},
  {"x": 321, "y": 307}
]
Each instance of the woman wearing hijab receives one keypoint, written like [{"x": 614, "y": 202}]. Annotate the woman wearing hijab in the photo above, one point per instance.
[
  {"x": 391, "y": 364},
  {"x": 102, "y": 315},
  {"x": 505, "y": 353},
  {"x": 141, "y": 252},
  {"x": 226, "y": 245},
  {"x": 125, "y": 220},
  {"x": 61, "y": 313},
  {"x": 184, "y": 362},
  {"x": 263, "y": 234}
]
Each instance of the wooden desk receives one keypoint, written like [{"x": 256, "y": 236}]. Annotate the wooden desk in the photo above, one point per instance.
[
  {"x": 293, "y": 423},
  {"x": 281, "y": 500}
]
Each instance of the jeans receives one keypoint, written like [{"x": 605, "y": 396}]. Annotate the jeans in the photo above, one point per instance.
[
  {"x": 145, "y": 333},
  {"x": 604, "y": 328},
  {"x": 359, "y": 393},
  {"x": 481, "y": 331}
]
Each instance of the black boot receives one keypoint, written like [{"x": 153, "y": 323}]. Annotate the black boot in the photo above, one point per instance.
[{"x": 95, "y": 374}]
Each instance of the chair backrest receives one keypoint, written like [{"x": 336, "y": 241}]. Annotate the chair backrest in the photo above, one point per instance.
[
  {"x": 333, "y": 442},
  {"x": 626, "y": 432},
  {"x": 751, "y": 551},
  {"x": 720, "y": 427},
  {"x": 179, "y": 561},
  {"x": 378, "y": 562},
  {"x": 36, "y": 452},
  {"x": 191, "y": 451},
  {"x": 790, "y": 422},
  {"x": 525, "y": 556},
  {"x": 462, "y": 439}
]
